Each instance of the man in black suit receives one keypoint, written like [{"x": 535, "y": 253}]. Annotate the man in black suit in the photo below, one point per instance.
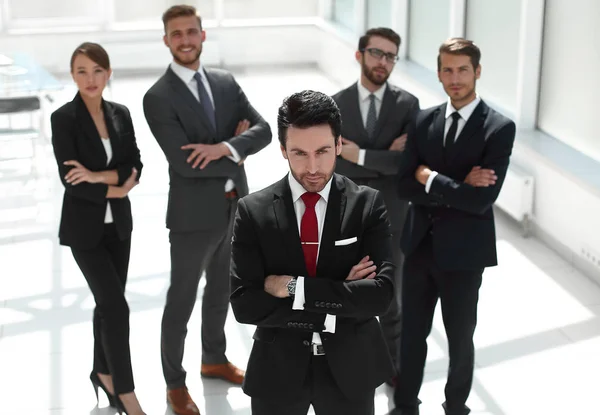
[
  {"x": 311, "y": 268},
  {"x": 376, "y": 117},
  {"x": 206, "y": 127},
  {"x": 452, "y": 171}
]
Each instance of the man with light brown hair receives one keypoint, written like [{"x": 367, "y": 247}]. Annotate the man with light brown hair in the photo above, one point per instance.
[
  {"x": 452, "y": 170},
  {"x": 206, "y": 127}
]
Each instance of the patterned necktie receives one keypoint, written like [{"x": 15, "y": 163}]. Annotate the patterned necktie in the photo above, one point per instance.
[
  {"x": 371, "y": 117},
  {"x": 451, "y": 136},
  {"x": 309, "y": 232},
  {"x": 205, "y": 100}
]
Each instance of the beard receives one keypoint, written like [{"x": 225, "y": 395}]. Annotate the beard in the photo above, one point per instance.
[
  {"x": 373, "y": 76},
  {"x": 313, "y": 182},
  {"x": 186, "y": 59},
  {"x": 463, "y": 94}
]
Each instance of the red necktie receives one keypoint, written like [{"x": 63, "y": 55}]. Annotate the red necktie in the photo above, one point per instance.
[{"x": 309, "y": 232}]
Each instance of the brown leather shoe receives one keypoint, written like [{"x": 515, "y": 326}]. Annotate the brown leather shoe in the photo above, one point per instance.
[
  {"x": 181, "y": 402},
  {"x": 225, "y": 371}
]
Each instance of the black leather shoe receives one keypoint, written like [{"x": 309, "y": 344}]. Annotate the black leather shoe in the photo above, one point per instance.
[{"x": 97, "y": 384}]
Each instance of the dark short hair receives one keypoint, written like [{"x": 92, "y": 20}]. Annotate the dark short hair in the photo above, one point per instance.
[
  {"x": 308, "y": 109},
  {"x": 460, "y": 46},
  {"x": 93, "y": 51},
  {"x": 383, "y": 32},
  {"x": 180, "y": 10}
]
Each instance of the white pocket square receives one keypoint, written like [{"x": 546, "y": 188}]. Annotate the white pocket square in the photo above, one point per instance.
[{"x": 348, "y": 241}]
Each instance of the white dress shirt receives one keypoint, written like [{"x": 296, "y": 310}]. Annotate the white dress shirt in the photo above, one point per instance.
[
  {"x": 320, "y": 209},
  {"x": 465, "y": 113},
  {"x": 187, "y": 76},
  {"x": 363, "y": 103},
  {"x": 108, "y": 217}
]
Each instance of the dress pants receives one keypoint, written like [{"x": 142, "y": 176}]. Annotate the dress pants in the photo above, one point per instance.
[
  {"x": 193, "y": 253},
  {"x": 391, "y": 321},
  {"x": 320, "y": 389},
  {"x": 105, "y": 270},
  {"x": 424, "y": 283}
]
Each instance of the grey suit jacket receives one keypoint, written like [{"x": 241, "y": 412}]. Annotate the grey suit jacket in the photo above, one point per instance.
[
  {"x": 197, "y": 197},
  {"x": 398, "y": 109}
]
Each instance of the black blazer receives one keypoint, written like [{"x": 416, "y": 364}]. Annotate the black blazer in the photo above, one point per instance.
[
  {"x": 265, "y": 242},
  {"x": 398, "y": 109},
  {"x": 176, "y": 118},
  {"x": 75, "y": 137},
  {"x": 460, "y": 216}
]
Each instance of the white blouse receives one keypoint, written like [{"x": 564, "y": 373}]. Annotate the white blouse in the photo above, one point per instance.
[{"x": 108, "y": 218}]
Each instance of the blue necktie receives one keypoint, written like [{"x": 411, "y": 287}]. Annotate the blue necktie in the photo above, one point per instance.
[{"x": 205, "y": 100}]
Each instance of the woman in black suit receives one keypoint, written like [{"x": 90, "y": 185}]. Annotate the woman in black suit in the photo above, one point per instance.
[{"x": 99, "y": 163}]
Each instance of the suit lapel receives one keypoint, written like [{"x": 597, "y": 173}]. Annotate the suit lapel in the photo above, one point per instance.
[
  {"x": 112, "y": 125},
  {"x": 285, "y": 215},
  {"x": 386, "y": 105},
  {"x": 473, "y": 125},
  {"x": 336, "y": 207},
  {"x": 436, "y": 136},
  {"x": 355, "y": 114},
  {"x": 89, "y": 128},
  {"x": 182, "y": 90}
]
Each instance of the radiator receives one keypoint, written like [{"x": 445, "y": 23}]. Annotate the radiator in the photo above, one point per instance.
[{"x": 516, "y": 197}]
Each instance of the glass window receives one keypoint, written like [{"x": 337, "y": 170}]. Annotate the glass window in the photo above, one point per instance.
[
  {"x": 379, "y": 13},
  {"x": 428, "y": 28},
  {"x": 499, "y": 48},
  {"x": 568, "y": 108},
  {"x": 53, "y": 9},
  {"x": 259, "y": 9},
  {"x": 145, "y": 10},
  {"x": 344, "y": 14}
]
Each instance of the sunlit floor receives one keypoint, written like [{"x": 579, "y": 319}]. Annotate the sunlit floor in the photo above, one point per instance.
[{"x": 537, "y": 340}]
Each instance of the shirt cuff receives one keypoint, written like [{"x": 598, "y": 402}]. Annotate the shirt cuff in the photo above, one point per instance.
[
  {"x": 361, "y": 156},
  {"x": 330, "y": 323},
  {"x": 430, "y": 180},
  {"x": 299, "y": 295},
  {"x": 235, "y": 157}
]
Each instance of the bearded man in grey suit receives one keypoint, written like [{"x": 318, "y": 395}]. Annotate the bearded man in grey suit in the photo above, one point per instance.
[
  {"x": 376, "y": 116},
  {"x": 206, "y": 127}
]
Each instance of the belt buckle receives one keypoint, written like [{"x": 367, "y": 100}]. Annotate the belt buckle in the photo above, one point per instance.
[{"x": 318, "y": 349}]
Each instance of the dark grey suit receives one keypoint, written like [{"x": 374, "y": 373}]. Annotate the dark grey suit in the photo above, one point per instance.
[
  {"x": 398, "y": 109},
  {"x": 199, "y": 215}
]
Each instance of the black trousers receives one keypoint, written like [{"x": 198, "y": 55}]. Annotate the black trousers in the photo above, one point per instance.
[
  {"x": 105, "y": 270},
  {"x": 424, "y": 283},
  {"x": 320, "y": 390},
  {"x": 391, "y": 321},
  {"x": 192, "y": 253}
]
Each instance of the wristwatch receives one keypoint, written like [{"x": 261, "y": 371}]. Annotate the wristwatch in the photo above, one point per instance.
[{"x": 291, "y": 287}]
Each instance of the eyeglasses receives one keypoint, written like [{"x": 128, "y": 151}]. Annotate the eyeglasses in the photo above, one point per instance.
[{"x": 378, "y": 54}]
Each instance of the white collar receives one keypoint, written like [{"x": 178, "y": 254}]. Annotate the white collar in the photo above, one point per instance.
[
  {"x": 466, "y": 111},
  {"x": 363, "y": 93},
  {"x": 187, "y": 74},
  {"x": 298, "y": 190}
]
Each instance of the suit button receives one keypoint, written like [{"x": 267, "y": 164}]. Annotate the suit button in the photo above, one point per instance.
[
  {"x": 322, "y": 303},
  {"x": 311, "y": 326},
  {"x": 339, "y": 305},
  {"x": 317, "y": 304},
  {"x": 289, "y": 324},
  {"x": 328, "y": 305},
  {"x": 306, "y": 343}
]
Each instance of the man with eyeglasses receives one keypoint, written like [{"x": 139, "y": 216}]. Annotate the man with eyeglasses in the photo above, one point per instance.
[{"x": 375, "y": 117}]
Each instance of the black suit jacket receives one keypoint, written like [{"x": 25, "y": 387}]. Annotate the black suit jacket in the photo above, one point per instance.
[
  {"x": 460, "y": 216},
  {"x": 398, "y": 109},
  {"x": 75, "y": 137},
  {"x": 176, "y": 118},
  {"x": 266, "y": 242}
]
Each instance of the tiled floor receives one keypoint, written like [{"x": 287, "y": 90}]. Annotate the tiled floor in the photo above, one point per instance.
[{"x": 537, "y": 340}]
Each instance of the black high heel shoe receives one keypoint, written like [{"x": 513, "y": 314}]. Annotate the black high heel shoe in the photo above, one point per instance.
[
  {"x": 97, "y": 383},
  {"x": 120, "y": 407}
]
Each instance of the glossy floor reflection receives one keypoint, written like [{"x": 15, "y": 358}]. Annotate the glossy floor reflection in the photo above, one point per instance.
[{"x": 537, "y": 340}]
